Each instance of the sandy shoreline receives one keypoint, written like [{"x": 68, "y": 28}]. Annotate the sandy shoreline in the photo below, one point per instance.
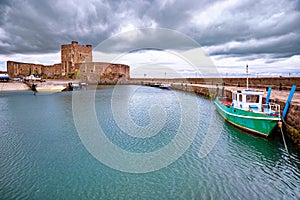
[
  {"x": 15, "y": 86},
  {"x": 18, "y": 86}
]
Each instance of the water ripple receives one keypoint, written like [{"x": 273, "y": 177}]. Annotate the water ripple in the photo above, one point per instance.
[{"x": 42, "y": 156}]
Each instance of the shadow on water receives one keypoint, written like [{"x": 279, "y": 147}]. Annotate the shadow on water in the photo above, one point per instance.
[{"x": 268, "y": 149}]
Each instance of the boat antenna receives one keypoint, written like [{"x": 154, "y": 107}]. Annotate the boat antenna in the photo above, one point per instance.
[{"x": 247, "y": 75}]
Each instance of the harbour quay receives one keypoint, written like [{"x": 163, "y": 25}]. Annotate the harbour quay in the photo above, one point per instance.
[
  {"x": 212, "y": 87},
  {"x": 207, "y": 87}
]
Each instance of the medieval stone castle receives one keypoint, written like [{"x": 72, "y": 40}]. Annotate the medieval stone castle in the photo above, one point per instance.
[{"x": 76, "y": 63}]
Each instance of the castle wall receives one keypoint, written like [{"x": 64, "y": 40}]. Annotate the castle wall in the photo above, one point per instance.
[
  {"x": 52, "y": 71},
  {"x": 18, "y": 69},
  {"x": 103, "y": 73},
  {"x": 57, "y": 70},
  {"x": 74, "y": 58}
]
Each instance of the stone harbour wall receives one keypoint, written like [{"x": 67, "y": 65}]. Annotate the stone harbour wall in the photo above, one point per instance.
[
  {"x": 291, "y": 123},
  {"x": 284, "y": 83}
]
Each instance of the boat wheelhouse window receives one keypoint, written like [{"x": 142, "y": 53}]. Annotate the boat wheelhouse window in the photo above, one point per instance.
[
  {"x": 240, "y": 98},
  {"x": 252, "y": 99},
  {"x": 234, "y": 96}
]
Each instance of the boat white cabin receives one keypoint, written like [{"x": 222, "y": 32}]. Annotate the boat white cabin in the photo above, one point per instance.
[
  {"x": 251, "y": 100},
  {"x": 247, "y": 100}
]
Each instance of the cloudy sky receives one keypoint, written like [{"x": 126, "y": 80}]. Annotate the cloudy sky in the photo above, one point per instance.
[{"x": 263, "y": 34}]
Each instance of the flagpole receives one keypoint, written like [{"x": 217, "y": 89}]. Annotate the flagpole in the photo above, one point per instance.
[{"x": 247, "y": 75}]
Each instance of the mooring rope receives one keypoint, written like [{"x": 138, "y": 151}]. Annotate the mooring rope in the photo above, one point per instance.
[
  {"x": 284, "y": 142},
  {"x": 286, "y": 148}
]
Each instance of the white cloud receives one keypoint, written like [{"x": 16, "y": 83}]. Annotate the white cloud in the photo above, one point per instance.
[
  {"x": 150, "y": 62},
  {"x": 211, "y": 14},
  {"x": 155, "y": 63},
  {"x": 46, "y": 59},
  {"x": 236, "y": 65}
]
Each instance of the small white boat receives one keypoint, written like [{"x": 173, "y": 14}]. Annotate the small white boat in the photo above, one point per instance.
[
  {"x": 75, "y": 85},
  {"x": 83, "y": 84},
  {"x": 56, "y": 88},
  {"x": 165, "y": 86}
]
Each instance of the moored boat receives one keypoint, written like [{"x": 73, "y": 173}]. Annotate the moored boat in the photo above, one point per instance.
[
  {"x": 55, "y": 88},
  {"x": 165, "y": 86},
  {"x": 4, "y": 77},
  {"x": 246, "y": 111},
  {"x": 154, "y": 84}
]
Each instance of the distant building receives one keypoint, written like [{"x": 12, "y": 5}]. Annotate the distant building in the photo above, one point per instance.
[{"x": 76, "y": 62}]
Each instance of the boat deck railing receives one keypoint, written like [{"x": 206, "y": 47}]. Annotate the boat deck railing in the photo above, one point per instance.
[{"x": 272, "y": 109}]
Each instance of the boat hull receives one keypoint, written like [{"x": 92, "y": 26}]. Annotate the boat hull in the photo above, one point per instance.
[
  {"x": 58, "y": 88},
  {"x": 257, "y": 123}
]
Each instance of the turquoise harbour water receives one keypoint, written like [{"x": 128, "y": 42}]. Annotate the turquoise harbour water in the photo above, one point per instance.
[{"x": 43, "y": 157}]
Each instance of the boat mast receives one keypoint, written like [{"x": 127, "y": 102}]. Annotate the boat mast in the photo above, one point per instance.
[{"x": 247, "y": 75}]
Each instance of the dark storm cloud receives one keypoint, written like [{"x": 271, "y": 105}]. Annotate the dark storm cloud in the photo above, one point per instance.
[
  {"x": 41, "y": 27},
  {"x": 229, "y": 28},
  {"x": 263, "y": 27}
]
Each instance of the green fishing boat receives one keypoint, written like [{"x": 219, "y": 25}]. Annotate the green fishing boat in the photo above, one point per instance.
[{"x": 246, "y": 111}]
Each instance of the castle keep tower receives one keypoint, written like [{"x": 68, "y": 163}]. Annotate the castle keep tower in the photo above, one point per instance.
[{"x": 72, "y": 54}]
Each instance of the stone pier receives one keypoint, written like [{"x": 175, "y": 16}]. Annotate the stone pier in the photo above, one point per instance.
[
  {"x": 212, "y": 87},
  {"x": 291, "y": 122}
]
